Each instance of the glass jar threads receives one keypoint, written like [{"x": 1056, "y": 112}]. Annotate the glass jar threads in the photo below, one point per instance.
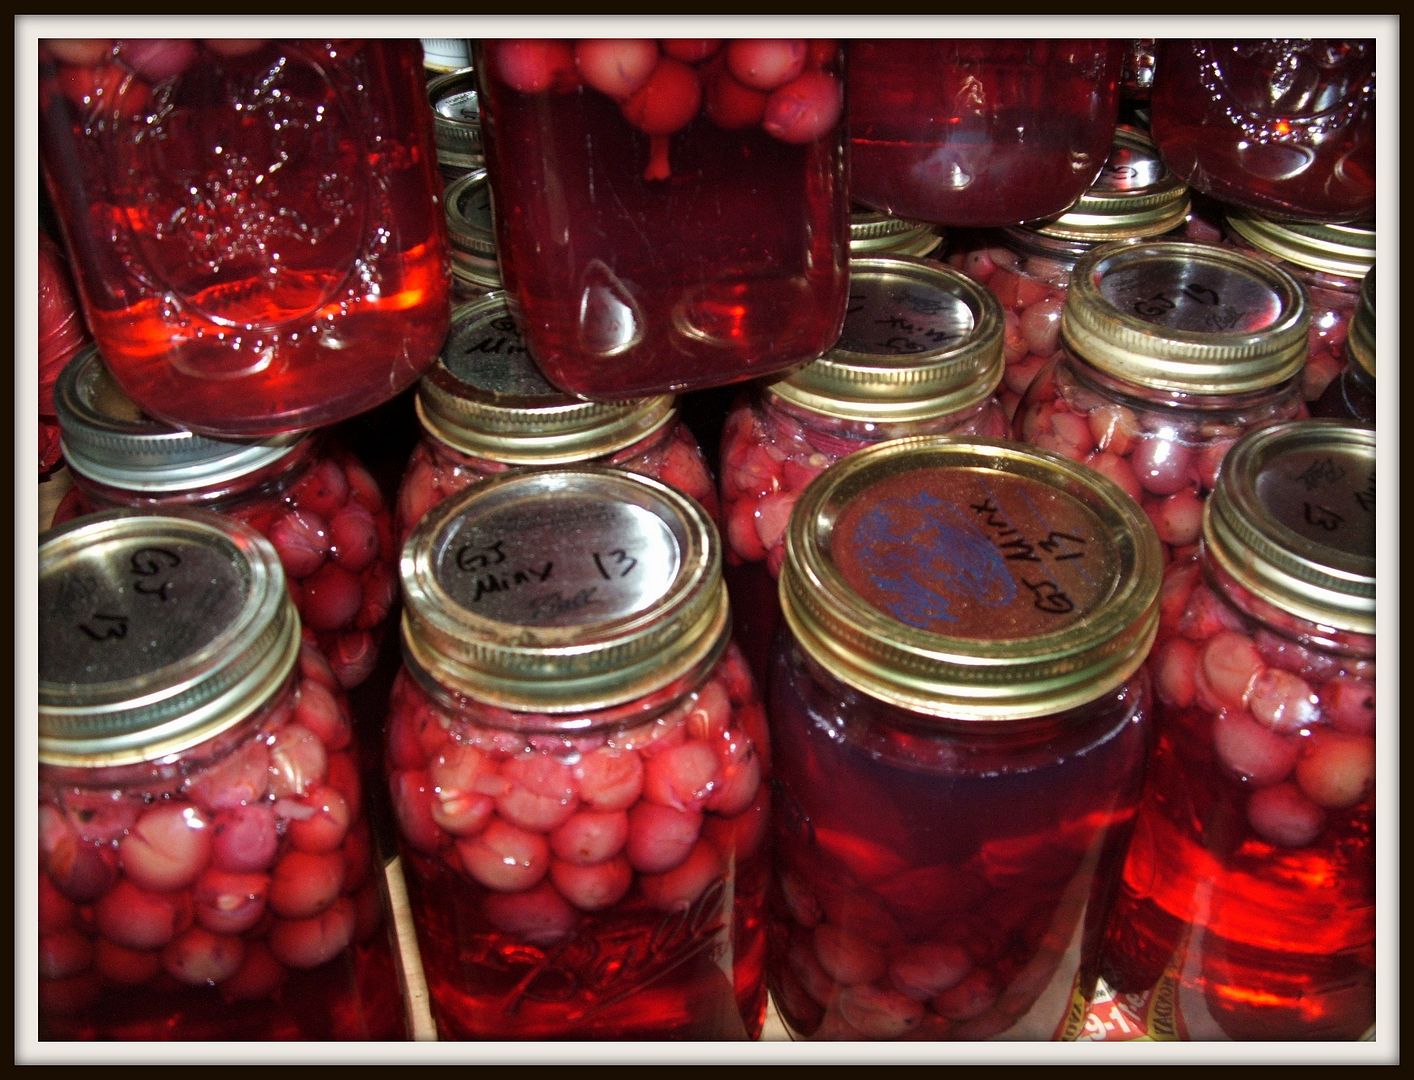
[
  {"x": 1248, "y": 894},
  {"x": 959, "y": 725},
  {"x": 670, "y": 215},
  {"x": 1169, "y": 352},
  {"x": 256, "y": 231},
  {"x": 311, "y": 497},
  {"x": 205, "y": 867},
  {"x": 979, "y": 132},
  {"x": 577, "y": 759},
  {"x": 485, "y": 409}
]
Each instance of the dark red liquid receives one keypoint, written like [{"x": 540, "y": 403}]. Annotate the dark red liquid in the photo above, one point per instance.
[
  {"x": 979, "y": 133},
  {"x": 257, "y": 240},
  {"x": 756, "y": 613}
]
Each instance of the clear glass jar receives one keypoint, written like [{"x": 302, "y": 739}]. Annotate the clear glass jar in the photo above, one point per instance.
[
  {"x": 1248, "y": 895},
  {"x": 308, "y": 494},
  {"x": 206, "y": 870},
  {"x": 255, "y": 228},
  {"x": 456, "y": 123},
  {"x": 1330, "y": 261},
  {"x": 472, "y": 232},
  {"x": 959, "y": 727},
  {"x": 577, "y": 760},
  {"x": 1028, "y": 267},
  {"x": 1284, "y": 127},
  {"x": 1351, "y": 395},
  {"x": 61, "y": 335},
  {"x": 485, "y": 409},
  {"x": 920, "y": 354},
  {"x": 979, "y": 132},
  {"x": 670, "y": 215},
  {"x": 1169, "y": 352}
]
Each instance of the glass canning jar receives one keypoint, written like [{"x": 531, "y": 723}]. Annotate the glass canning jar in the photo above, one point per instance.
[
  {"x": 472, "y": 233},
  {"x": 485, "y": 409},
  {"x": 306, "y": 493},
  {"x": 959, "y": 725},
  {"x": 1029, "y": 266},
  {"x": 456, "y": 123},
  {"x": 1330, "y": 261},
  {"x": 1248, "y": 895},
  {"x": 577, "y": 759},
  {"x": 205, "y": 866},
  {"x": 1284, "y": 127},
  {"x": 1169, "y": 352},
  {"x": 874, "y": 233},
  {"x": 670, "y": 215},
  {"x": 920, "y": 354},
  {"x": 1351, "y": 394},
  {"x": 255, "y": 227},
  {"x": 979, "y": 132}
]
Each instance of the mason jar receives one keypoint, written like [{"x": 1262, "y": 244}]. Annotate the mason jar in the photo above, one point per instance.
[
  {"x": 456, "y": 121},
  {"x": 577, "y": 760},
  {"x": 206, "y": 870},
  {"x": 1248, "y": 896},
  {"x": 1351, "y": 394},
  {"x": 472, "y": 232},
  {"x": 1169, "y": 352},
  {"x": 959, "y": 716},
  {"x": 872, "y": 232}
]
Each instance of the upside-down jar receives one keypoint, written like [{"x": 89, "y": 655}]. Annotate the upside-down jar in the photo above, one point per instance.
[
  {"x": 1247, "y": 901},
  {"x": 485, "y": 409},
  {"x": 1170, "y": 351},
  {"x": 920, "y": 354},
  {"x": 979, "y": 132},
  {"x": 578, "y": 760},
  {"x": 1029, "y": 266},
  {"x": 471, "y": 231},
  {"x": 456, "y": 123},
  {"x": 959, "y": 727},
  {"x": 310, "y": 496},
  {"x": 255, "y": 226},
  {"x": 1351, "y": 394},
  {"x": 670, "y": 215},
  {"x": 206, "y": 870}
]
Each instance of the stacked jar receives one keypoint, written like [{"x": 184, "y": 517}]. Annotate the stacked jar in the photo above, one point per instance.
[
  {"x": 456, "y": 123},
  {"x": 472, "y": 233},
  {"x": 1170, "y": 351},
  {"x": 1351, "y": 395},
  {"x": 577, "y": 760},
  {"x": 1029, "y": 266},
  {"x": 872, "y": 232},
  {"x": 205, "y": 865}
]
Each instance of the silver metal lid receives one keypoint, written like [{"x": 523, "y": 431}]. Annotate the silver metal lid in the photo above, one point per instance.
[
  {"x": 456, "y": 120},
  {"x": 472, "y": 230},
  {"x": 873, "y": 232}
]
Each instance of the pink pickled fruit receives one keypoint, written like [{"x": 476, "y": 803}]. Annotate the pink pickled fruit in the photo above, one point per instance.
[
  {"x": 229, "y": 903},
  {"x": 616, "y": 67},
  {"x": 745, "y": 541},
  {"x": 63, "y": 954},
  {"x": 1013, "y": 341},
  {"x": 1206, "y": 615},
  {"x": 1173, "y": 665},
  {"x": 320, "y": 711},
  {"x": 241, "y": 777},
  {"x": 301, "y": 539},
  {"x": 245, "y": 838},
  {"x": 104, "y": 89},
  {"x": 1322, "y": 368},
  {"x": 353, "y": 537},
  {"x": 1283, "y": 701},
  {"x": 1209, "y": 462},
  {"x": 298, "y": 761},
  {"x": 1161, "y": 465},
  {"x": 325, "y": 830},
  {"x": 198, "y": 957},
  {"x": 82, "y": 51},
  {"x": 539, "y": 916},
  {"x": 1113, "y": 467},
  {"x": 878, "y": 1012},
  {"x": 1018, "y": 377},
  {"x": 690, "y": 50},
  {"x": 862, "y": 859},
  {"x": 100, "y": 816},
  {"x": 848, "y": 958},
  {"x": 362, "y": 486},
  {"x": 594, "y": 887},
  {"x": 1252, "y": 751},
  {"x": 804, "y": 109},
  {"x": 542, "y": 794},
  {"x": 343, "y": 776},
  {"x": 590, "y": 836},
  {"x": 772, "y": 516},
  {"x": 323, "y": 490},
  {"x": 1282, "y": 652},
  {"x": 257, "y": 979},
  {"x": 1349, "y": 705},
  {"x": 139, "y": 919},
  {"x": 924, "y": 970},
  {"x": 797, "y": 473},
  {"x": 803, "y": 964},
  {"x": 167, "y": 848},
  {"x": 533, "y": 66},
  {"x": 302, "y": 885},
  {"x": 666, "y": 101},
  {"x": 709, "y": 713},
  {"x": 1230, "y": 662},
  {"x": 970, "y": 998},
  {"x": 732, "y": 105},
  {"x": 504, "y": 857},
  {"x": 308, "y": 943},
  {"x": 380, "y": 590},
  {"x": 660, "y": 837},
  {"x": 79, "y": 870},
  {"x": 976, "y": 264},
  {"x": 924, "y": 895},
  {"x": 1283, "y": 816},
  {"x": 123, "y": 966},
  {"x": 1114, "y": 428},
  {"x": 1031, "y": 291},
  {"x": 677, "y": 889},
  {"x": 331, "y": 598},
  {"x": 1337, "y": 770},
  {"x": 800, "y": 1012},
  {"x": 313, "y": 666},
  {"x": 464, "y": 782},
  {"x": 609, "y": 779},
  {"x": 741, "y": 835},
  {"x": 764, "y": 63},
  {"x": 53, "y": 910},
  {"x": 402, "y": 745},
  {"x": 1068, "y": 436},
  {"x": 1040, "y": 326},
  {"x": 682, "y": 777},
  {"x": 799, "y": 898},
  {"x": 1177, "y": 518},
  {"x": 158, "y": 58},
  {"x": 739, "y": 780}
]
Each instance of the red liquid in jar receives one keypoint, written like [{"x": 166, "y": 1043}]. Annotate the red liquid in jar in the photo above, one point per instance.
[
  {"x": 970, "y": 133},
  {"x": 640, "y": 263},
  {"x": 1283, "y": 127},
  {"x": 257, "y": 240}
]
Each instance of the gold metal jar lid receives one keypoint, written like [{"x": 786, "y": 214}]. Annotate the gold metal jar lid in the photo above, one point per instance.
[
  {"x": 485, "y": 396},
  {"x": 1342, "y": 250},
  {"x": 156, "y": 634},
  {"x": 563, "y": 590},
  {"x": 1192, "y": 318},
  {"x": 472, "y": 231},
  {"x": 873, "y": 232},
  {"x": 108, "y": 439},
  {"x": 1360, "y": 338},
  {"x": 920, "y": 340},
  {"x": 1292, "y": 519},
  {"x": 971, "y": 579},
  {"x": 456, "y": 120}
]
